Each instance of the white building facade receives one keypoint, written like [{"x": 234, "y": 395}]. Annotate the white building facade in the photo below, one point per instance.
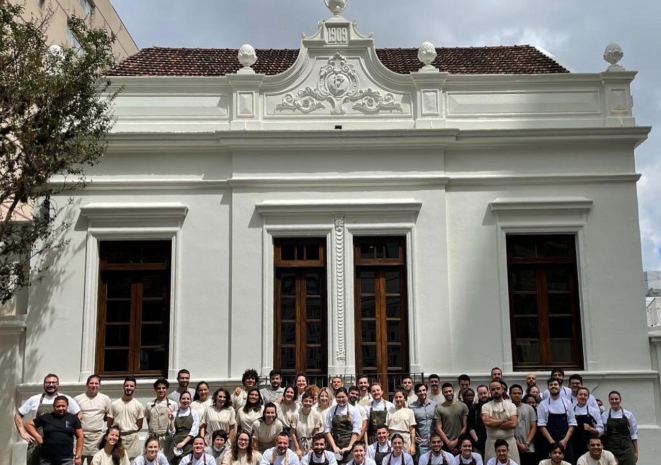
[{"x": 339, "y": 217}]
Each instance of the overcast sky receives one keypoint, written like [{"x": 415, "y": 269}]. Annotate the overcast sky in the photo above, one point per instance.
[{"x": 574, "y": 31}]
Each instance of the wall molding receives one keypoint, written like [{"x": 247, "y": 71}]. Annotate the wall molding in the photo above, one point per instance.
[{"x": 272, "y": 208}]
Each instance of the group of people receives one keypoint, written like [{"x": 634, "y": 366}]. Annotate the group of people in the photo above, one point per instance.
[{"x": 425, "y": 424}]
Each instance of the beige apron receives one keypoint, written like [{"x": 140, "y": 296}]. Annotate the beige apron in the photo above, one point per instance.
[{"x": 159, "y": 421}]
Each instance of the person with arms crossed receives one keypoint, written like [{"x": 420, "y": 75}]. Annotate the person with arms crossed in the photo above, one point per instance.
[
  {"x": 526, "y": 427},
  {"x": 597, "y": 455},
  {"x": 556, "y": 421},
  {"x": 183, "y": 380},
  {"x": 451, "y": 419},
  {"x": 500, "y": 418},
  {"x": 280, "y": 454},
  {"x": 502, "y": 454},
  {"x": 110, "y": 450},
  {"x": 319, "y": 454},
  {"x": 127, "y": 413},
  {"x": 475, "y": 426},
  {"x": 436, "y": 454},
  {"x": 423, "y": 412},
  {"x": 38, "y": 405},
  {"x": 59, "y": 428},
  {"x": 159, "y": 412},
  {"x": 94, "y": 407}
]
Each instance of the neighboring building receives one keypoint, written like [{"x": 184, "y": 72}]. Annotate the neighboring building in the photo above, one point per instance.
[
  {"x": 101, "y": 13},
  {"x": 653, "y": 297},
  {"x": 345, "y": 209}
]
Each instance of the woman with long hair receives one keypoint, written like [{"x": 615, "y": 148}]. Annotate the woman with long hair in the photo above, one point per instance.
[
  {"x": 305, "y": 424},
  {"x": 287, "y": 407},
  {"x": 201, "y": 400},
  {"x": 620, "y": 431},
  {"x": 301, "y": 386},
  {"x": 150, "y": 454},
  {"x": 265, "y": 430},
  {"x": 111, "y": 450},
  {"x": 242, "y": 452},
  {"x": 466, "y": 455},
  {"x": 184, "y": 428},
  {"x": 220, "y": 415},
  {"x": 342, "y": 426},
  {"x": 324, "y": 402},
  {"x": 402, "y": 421},
  {"x": 251, "y": 411},
  {"x": 397, "y": 456}
]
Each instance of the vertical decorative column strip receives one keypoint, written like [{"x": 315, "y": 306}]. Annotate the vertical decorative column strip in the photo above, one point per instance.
[{"x": 339, "y": 283}]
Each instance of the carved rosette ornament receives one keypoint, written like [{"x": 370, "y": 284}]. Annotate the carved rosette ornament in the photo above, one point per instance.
[
  {"x": 338, "y": 84},
  {"x": 613, "y": 54},
  {"x": 339, "y": 274},
  {"x": 427, "y": 54},
  {"x": 336, "y": 6},
  {"x": 247, "y": 57}
]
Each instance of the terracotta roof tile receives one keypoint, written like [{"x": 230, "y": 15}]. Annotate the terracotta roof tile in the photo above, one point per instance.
[{"x": 162, "y": 61}]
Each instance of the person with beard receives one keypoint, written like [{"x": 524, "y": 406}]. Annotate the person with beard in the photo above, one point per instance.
[
  {"x": 463, "y": 383},
  {"x": 183, "y": 380},
  {"x": 436, "y": 456},
  {"x": 381, "y": 446},
  {"x": 588, "y": 422},
  {"x": 197, "y": 456},
  {"x": 559, "y": 375},
  {"x": 56, "y": 439},
  {"x": 556, "y": 420},
  {"x": 319, "y": 454},
  {"x": 94, "y": 407},
  {"x": 354, "y": 397},
  {"x": 40, "y": 404},
  {"x": 502, "y": 454},
  {"x": 496, "y": 374},
  {"x": 364, "y": 386},
  {"x": 218, "y": 447},
  {"x": 110, "y": 450},
  {"x": 476, "y": 429},
  {"x": 531, "y": 380},
  {"x": 597, "y": 455},
  {"x": 280, "y": 454},
  {"x": 451, "y": 419},
  {"x": 158, "y": 413},
  {"x": 127, "y": 413},
  {"x": 556, "y": 456},
  {"x": 435, "y": 393},
  {"x": 274, "y": 391},
  {"x": 500, "y": 418},
  {"x": 248, "y": 380},
  {"x": 407, "y": 386},
  {"x": 377, "y": 411},
  {"x": 526, "y": 427},
  {"x": 336, "y": 383},
  {"x": 423, "y": 412},
  {"x": 359, "y": 455}
]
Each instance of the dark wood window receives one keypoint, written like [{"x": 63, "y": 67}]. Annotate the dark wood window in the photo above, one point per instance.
[
  {"x": 544, "y": 303},
  {"x": 381, "y": 308},
  {"x": 300, "y": 308},
  {"x": 134, "y": 308}
]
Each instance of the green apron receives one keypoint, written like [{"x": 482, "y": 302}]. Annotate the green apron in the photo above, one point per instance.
[
  {"x": 34, "y": 450},
  {"x": 342, "y": 429},
  {"x": 618, "y": 440},
  {"x": 182, "y": 427},
  {"x": 379, "y": 455},
  {"x": 375, "y": 420}
]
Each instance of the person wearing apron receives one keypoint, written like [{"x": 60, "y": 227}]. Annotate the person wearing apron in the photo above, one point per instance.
[
  {"x": 184, "y": 428},
  {"x": 159, "y": 413},
  {"x": 197, "y": 456},
  {"x": 343, "y": 426},
  {"x": 588, "y": 423},
  {"x": 382, "y": 447},
  {"x": 377, "y": 411},
  {"x": 436, "y": 454},
  {"x": 40, "y": 404},
  {"x": 318, "y": 455},
  {"x": 306, "y": 423},
  {"x": 621, "y": 431},
  {"x": 555, "y": 418},
  {"x": 397, "y": 456},
  {"x": 94, "y": 407}
]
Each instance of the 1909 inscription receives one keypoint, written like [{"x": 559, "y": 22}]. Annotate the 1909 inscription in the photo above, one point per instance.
[{"x": 338, "y": 35}]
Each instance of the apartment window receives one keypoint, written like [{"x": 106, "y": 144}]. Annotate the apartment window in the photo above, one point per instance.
[
  {"x": 544, "y": 303},
  {"x": 300, "y": 309},
  {"x": 87, "y": 6},
  {"x": 381, "y": 309},
  {"x": 134, "y": 308},
  {"x": 72, "y": 39}
]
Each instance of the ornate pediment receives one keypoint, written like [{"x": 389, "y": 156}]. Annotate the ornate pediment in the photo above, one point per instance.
[{"x": 338, "y": 85}]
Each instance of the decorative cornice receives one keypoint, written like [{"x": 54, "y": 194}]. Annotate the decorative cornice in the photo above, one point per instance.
[
  {"x": 283, "y": 208},
  {"x": 576, "y": 204},
  {"x": 12, "y": 324},
  {"x": 555, "y": 178},
  {"x": 134, "y": 210}
]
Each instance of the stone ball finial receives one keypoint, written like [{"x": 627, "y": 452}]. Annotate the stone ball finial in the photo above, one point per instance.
[
  {"x": 613, "y": 54},
  {"x": 336, "y": 6},
  {"x": 247, "y": 57},
  {"x": 427, "y": 54}
]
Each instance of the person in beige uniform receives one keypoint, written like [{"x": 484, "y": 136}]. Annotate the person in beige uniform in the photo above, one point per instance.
[
  {"x": 305, "y": 424},
  {"x": 597, "y": 455},
  {"x": 219, "y": 416},
  {"x": 242, "y": 452},
  {"x": 94, "y": 407},
  {"x": 287, "y": 407},
  {"x": 111, "y": 450},
  {"x": 500, "y": 418},
  {"x": 202, "y": 398},
  {"x": 266, "y": 429},
  {"x": 402, "y": 421},
  {"x": 240, "y": 394},
  {"x": 159, "y": 412},
  {"x": 127, "y": 413},
  {"x": 251, "y": 411}
]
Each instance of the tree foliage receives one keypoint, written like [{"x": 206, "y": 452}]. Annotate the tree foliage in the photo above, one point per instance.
[{"x": 55, "y": 112}]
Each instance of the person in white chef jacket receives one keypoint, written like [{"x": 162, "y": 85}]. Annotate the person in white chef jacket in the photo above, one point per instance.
[
  {"x": 280, "y": 454},
  {"x": 319, "y": 454}
]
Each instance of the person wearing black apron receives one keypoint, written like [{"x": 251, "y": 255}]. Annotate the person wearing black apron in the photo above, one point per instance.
[
  {"x": 318, "y": 455},
  {"x": 555, "y": 418},
  {"x": 621, "y": 431},
  {"x": 360, "y": 457},
  {"x": 436, "y": 455},
  {"x": 382, "y": 447},
  {"x": 377, "y": 411},
  {"x": 397, "y": 456},
  {"x": 343, "y": 426},
  {"x": 588, "y": 423},
  {"x": 184, "y": 427}
]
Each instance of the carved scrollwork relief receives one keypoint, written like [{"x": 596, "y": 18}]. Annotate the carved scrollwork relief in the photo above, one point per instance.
[
  {"x": 338, "y": 84},
  {"x": 339, "y": 273}
]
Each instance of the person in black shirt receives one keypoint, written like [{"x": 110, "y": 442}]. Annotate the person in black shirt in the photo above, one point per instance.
[
  {"x": 475, "y": 427},
  {"x": 59, "y": 428}
]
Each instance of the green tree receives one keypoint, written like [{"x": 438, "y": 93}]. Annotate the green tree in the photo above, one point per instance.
[{"x": 55, "y": 113}]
